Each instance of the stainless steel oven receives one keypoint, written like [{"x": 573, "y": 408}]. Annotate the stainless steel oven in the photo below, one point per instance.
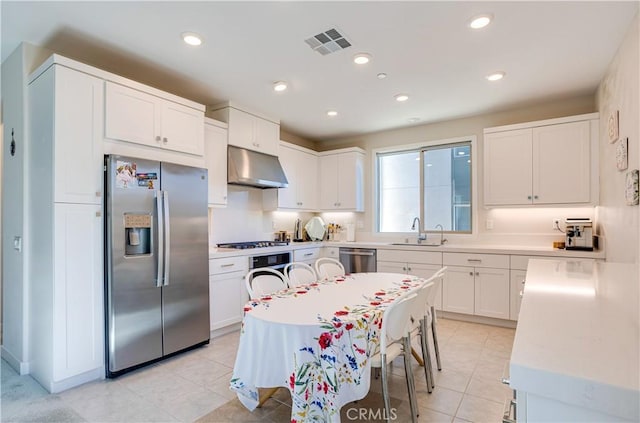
[
  {"x": 276, "y": 261},
  {"x": 357, "y": 260}
]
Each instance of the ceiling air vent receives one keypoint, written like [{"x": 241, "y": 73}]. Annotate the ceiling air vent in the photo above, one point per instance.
[{"x": 327, "y": 42}]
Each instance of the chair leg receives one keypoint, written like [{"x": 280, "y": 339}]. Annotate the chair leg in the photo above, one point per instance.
[
  {"x": 266, "y": 396},
  {"x": 411, "y": 387},
  {"x": 435, "y": 336},
  {"x": 428, "y": 372},
  {"x": 385, "y": 386}
]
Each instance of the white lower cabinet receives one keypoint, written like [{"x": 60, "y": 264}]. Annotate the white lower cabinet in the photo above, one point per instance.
[
  {"x": 307, "y": 255},
  {"x": 477, "y": 284},
  {"x": 423, "y": 264},
  {"x": 333, "y": 252},
  {"x": 227, "y": 292}
]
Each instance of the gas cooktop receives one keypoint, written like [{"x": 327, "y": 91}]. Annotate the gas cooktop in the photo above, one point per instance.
[{"x": 253, "y": 244}]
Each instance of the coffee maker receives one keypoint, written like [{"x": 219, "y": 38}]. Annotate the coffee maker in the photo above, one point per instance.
[{"x": 579, "y": 234}]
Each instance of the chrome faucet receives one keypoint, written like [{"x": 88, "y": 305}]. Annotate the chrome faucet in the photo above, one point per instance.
[
  {"x": 442, "y": 240},
  {"x": 421, "y": 236}
]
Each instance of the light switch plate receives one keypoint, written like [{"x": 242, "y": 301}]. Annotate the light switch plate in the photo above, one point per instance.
[{"x": 17, "y": 243}]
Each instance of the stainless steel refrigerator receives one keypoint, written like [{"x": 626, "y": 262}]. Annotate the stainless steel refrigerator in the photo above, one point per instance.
[{"x": 156, "y": 261}]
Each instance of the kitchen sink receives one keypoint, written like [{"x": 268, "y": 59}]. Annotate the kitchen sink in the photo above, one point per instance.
[{"x": 415, "y": 244}]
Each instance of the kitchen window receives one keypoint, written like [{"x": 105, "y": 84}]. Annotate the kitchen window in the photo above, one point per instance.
[{"x": 432, "y": 182}]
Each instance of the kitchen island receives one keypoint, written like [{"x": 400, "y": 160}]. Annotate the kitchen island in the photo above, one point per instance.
[{"x": 576, "y": 352}]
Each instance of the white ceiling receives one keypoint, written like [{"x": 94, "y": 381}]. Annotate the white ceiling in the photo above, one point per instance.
[{"x": 549, "y": 50}]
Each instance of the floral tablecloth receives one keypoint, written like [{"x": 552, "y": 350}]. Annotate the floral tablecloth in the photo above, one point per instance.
[{"x": 316, "y": 341}]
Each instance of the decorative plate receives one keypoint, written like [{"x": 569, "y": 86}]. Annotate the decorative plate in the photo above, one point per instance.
[
  {"x": 631, "y": 188},
  {"x": 315, "y": 228},
  {"x": 621, "y": 154}
]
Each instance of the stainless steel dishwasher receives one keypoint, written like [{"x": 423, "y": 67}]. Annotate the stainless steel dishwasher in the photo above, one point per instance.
[{"x": 357, "y": 260}]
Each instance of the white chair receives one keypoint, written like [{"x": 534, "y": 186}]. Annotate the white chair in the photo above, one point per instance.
[
  {"x": 299, "y": 274},
  {"x": 264, "y": 281},
  {"x": 423, "y": 316},
  {"x": 327, "y": 267},
  {"x": 395, "y": 339}
]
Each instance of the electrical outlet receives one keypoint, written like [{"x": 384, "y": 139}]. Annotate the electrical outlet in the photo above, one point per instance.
[
  {"x": 555, "y": 224},
  {"x": 489, "y": 224},
  {"x": 360, "y": 224}
]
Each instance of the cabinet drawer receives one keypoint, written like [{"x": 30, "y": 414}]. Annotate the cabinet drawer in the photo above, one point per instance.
[
  {"x": 476, "y": 260},
  {"x": 306, "y": 254},
  {"x": 228, "y": 264},
  {"x": 404, "y": 256},
  {"x": 333, "y": 252}
]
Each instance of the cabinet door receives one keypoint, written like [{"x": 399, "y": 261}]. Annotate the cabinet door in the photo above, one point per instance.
[
  {"x": 287, "y": 197},
  {"x": 307, "y": 181},
  {"x": 561, "y": 163},
  {"x": 517, "y": 288},
  {"x": 425, "y": 271},
  {"x": 492, "y": 292},
  {"x": 458, "y": 290},
  {"x": 182, "y": 128},
  {"x": 78, "y": 340},
  {"x": 215, "y": 156},
  {"x": 328, "y": 182},
  {"x": 350, "y": 184},
  {"x": 227, "y": 296},
  {"x": 508, "y": 167},
  {"x": 78, "y": 137},
  {"x": 266, "y": 136},
  {"x": 392, "y": 267},
  {"x": 131, "y": 115}
]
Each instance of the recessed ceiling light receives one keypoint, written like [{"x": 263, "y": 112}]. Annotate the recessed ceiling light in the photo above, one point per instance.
[
  {"x": 382, "y": 75},
  {"x": 496, "y": 76},
  {"x": 361, "y": 58},
  {"x": 279, "y": 86},
  {"x": 332, "y": 113},
  {"x": 481, "y": 21},
  {"x": 413, "y": 120},
  {"x": 402, "y": 97},
  {"x": 192, "y": 38}
]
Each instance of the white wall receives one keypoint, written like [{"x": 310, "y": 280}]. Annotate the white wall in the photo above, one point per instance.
[
  {"x": 533, "y": 224},
  {"x": 619, "y": 90},
  {"x": 15, "y": 70}
]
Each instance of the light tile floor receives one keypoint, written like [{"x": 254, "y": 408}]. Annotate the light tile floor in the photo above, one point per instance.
[{"x": 192, "y": 385}]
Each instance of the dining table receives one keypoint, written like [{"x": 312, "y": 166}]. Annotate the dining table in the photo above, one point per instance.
[{"x": 315, "y": 340}]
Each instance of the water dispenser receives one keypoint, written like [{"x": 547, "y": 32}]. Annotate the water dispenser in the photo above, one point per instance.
[{"x": 137, "y": 232}]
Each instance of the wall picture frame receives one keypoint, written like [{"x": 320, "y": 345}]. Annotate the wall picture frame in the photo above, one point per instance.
[
  {"x": 631, "y": 188},
  {"x": 612, "y": 126},
  {"x": 622, "y": 148}
]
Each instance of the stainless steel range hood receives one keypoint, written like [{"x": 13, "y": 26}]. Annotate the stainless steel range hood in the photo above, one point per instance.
[{"x": 254, "y": 169}]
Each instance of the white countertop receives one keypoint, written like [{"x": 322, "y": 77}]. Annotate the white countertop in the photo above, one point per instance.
[
  {"x": 578, "y": 336},
  {"x": 447, "y": 248}
]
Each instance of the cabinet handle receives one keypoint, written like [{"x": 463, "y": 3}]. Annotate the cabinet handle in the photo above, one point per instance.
[
  {"x": 528, "y": 197},
  {"x": 470, "y": 273},
  {"x": 308, "y": 254},
  {"x": 521, "y": 294},
  {"x": 165, "y": 140},
  {"x": 98, "y": 194},
  {"x": 474, "y": 260},
  {"x": 227, "y": 265},
  {"x": 408, "y": 269},
  {"x": 535, "y": 197},
  {"x": 158, "y": 138},
  {"x": 477, "y": 273},
  {"x": 98, "y": 214},
  {"x": 404, "y": 268}
]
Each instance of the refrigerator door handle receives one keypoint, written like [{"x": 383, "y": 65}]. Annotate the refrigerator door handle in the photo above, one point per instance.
[
  {"x": 160, "y": 249},
  {"x": 167, "y": 238}
]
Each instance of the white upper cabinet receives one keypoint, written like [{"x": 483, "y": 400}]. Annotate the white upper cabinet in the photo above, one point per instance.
[
  {"x": 215, "y": 157},
  {"x": 135, "y": 116},
  {"x": 548, "y": 162},
  {"x": 249, "y": 131},
  {"x": 342, "y": 180},
  {"x": 67, "y": 135},
  {"x": 301, "y": 169}
]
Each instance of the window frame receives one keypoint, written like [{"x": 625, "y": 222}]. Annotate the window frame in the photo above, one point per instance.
[{"x": 472, "y": 139}]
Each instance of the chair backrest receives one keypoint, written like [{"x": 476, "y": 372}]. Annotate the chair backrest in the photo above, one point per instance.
[
  {"x": 264, "y": 281},
  {"x": 431, "y": 298},
  {"x": 420, "y": 307},
  {"x": 396, "y": 320},
  {"x": 327, "y": 267},
  {"x": 299, "y": 273}
]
